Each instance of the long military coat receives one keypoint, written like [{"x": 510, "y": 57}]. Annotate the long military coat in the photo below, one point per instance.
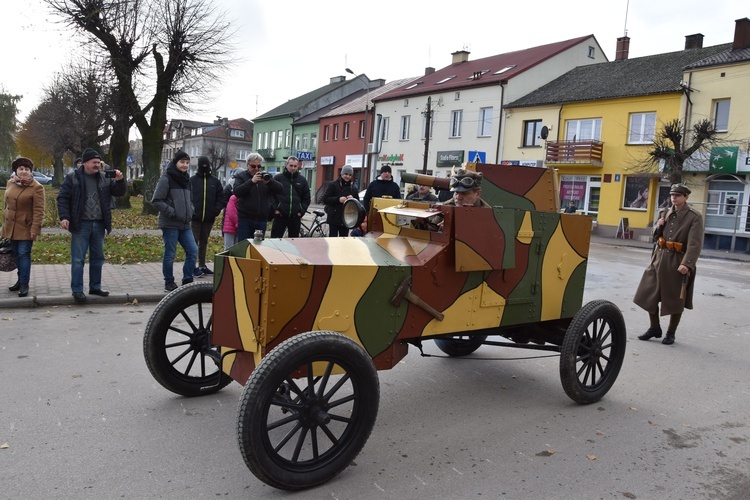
[{"x": 661, "y": 281}]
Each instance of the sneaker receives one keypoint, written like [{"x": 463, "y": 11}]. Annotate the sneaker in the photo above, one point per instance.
[
  {"x": 187, "y": 282},
  {"x": 198, "y": 272},
  {"x": 206, "y": 270},
  {"x": 170, "y": 286}
]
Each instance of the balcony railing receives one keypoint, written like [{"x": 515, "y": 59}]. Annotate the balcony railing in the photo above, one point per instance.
[{"x": 575, "y": 152}]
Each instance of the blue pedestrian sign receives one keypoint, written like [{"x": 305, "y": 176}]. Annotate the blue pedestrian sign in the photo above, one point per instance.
[
  {"x": 477, "y": 157},
  {"x": 129, "y": 160}
]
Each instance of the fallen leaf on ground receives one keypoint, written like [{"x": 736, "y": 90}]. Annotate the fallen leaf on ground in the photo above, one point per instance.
[
  {"x": 4, "y": 446},
  {"x": 545, "y": 453},
  {"x": 591, "y": 457}
]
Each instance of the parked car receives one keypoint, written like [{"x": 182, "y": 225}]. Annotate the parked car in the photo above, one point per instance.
[{"x": 41, "y": 178}]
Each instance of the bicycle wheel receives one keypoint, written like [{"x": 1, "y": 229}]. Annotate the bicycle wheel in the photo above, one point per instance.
[
  {"x": 320, "y": 230},
  {"x": 304, "y": 230}
]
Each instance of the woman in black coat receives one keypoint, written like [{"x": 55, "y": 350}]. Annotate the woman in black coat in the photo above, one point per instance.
[{"x": 334, "y": 198}]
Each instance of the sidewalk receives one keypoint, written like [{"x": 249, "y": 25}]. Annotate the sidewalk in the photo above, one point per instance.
[{"x": 50, "y": 284}]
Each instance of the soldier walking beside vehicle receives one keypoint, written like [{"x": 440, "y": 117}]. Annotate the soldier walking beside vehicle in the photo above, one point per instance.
[{"x": 669, "y": 278}]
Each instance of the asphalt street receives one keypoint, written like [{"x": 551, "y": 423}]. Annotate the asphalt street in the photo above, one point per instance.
[{"x": 81, "y": 416}]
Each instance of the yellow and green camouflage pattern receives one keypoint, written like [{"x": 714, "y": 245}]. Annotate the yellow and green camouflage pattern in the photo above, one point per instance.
[{"x": 518, "y": 263}]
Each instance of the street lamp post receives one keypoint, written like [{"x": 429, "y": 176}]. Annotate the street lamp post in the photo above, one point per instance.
[
  {"x": 365, "y": 159},
  {"x": 225, "y": 122}
]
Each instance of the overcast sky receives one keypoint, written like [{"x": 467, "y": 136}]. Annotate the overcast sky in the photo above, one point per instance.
[{"x": 287, "y": 48}]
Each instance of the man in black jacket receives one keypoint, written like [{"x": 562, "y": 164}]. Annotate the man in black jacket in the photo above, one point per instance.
[
  {"x": 85, "y": 208},
  {"x": 292, "y": 202},
  {"x": 383, "y": 186},
  {"x": 336, "y": 194},
  {"x": 208, "y": 201},
  {"x": 254, "y": 191}
]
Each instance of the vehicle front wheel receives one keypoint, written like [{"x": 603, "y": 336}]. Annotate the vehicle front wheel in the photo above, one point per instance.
[
  {"x": 295, "y": 433},
  {"x": 592, "y": 352}
]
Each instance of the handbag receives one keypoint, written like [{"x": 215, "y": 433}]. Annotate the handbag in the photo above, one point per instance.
[{"x": 7, "y": 258}]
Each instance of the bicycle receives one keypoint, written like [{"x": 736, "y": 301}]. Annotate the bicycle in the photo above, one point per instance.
[{"x": 318, "y": 228}]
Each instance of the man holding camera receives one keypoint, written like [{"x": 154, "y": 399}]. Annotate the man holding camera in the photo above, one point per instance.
[
  {"x": 254, "y": 190},
  {"x": 85, "y": 207}
]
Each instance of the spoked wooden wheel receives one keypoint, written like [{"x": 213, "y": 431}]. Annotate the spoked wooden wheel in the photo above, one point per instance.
[
  {"x": 592, "y": 351},
  {"x": 295, "y": 433},
  {"x": 177, "y": 343}
]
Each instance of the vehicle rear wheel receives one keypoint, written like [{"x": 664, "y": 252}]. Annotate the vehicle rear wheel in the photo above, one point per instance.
[
  {"x": 592, "y": 352},
  {"x": 298, "y": 433},
  {"x": 460, "y": 345},
  {"x": 177, "y": 343}
]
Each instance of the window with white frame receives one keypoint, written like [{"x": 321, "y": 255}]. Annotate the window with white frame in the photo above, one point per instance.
[
  {"x": 265, "y": 139},
  {"x": 455, "y": 130},
  {"x": 326, "y": 133},
  {"x": 361, "y": 129},
  {"x": 721, "y": 115},
  {"x": 531, "y": 133},
  {"x": 233, "y": 132},
  {"x": 280, "y": 141},
  {"x": 485, "y": 122},
  {"x": 296, "y": 142},
  {"x": 588, "y": 129},
  {"x": 273, "y": 137},
  {"x": 313, "y": 141},
  {"x": 335, "y": 131},
  {"x": 405, "y": 121},
  {"x": 424, "y": 125},
  {"x": 288, "y": 141},
  {"x": 384, "y": 128},
  {"x": 242, "y": 154},
  {"x": 642, "y": 128},
  {"x": 260, "y": 140},
  {"x": 346, "y": 130},
  {"x": 304, "y": 142}
]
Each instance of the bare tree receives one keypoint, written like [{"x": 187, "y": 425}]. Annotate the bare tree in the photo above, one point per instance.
[
  {"x": 673, "y": 149},
  {"x": 8, "y": 112},
  {"x": 162, "y": 52}
]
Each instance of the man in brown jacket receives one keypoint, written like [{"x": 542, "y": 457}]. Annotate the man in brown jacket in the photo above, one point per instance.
[{"x": 670, "y": 276}]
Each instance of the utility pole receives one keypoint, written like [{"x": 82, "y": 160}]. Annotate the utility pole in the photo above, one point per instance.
[{"x": 428, "y": 118}]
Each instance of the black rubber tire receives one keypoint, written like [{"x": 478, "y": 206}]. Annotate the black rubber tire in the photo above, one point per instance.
[
  {"x": 593, "y": 350},
  {"x": 177, "y": 341},
  {"x": 460, "y": 345},
  {"x": 292, "y": 441}
]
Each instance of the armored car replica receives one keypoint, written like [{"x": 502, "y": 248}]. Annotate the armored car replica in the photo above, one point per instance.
[{"x": 305, "y": 323}]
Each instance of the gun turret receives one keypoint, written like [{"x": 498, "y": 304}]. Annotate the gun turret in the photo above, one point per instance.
[{"x": 426, "y": 180}]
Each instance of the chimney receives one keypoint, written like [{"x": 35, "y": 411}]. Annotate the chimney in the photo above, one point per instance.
[
  {"x": 741, "y": 34},
  {"x": 460, "y": 56},
  {"x": 429, "y": 70},
  {"x": 337, "y": 79},
  {"x": 623, "y": 48},
  {"x": 694, "y": 41}
]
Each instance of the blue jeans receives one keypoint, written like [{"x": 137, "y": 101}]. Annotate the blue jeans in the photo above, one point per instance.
[
  {"x": 246, "y": 228},
  {"x": 187, "y": 242},
  {"x": 22, "y": 252},
  {"x": 88, "y": 239}
]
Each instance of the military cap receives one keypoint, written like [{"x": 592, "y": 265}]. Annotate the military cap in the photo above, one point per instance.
[{"x": 680, "y": 188}]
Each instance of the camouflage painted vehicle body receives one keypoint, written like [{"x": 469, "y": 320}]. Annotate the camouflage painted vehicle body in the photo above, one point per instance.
[
  {"x": 304, "y": 323},
  {"x": 503, "y": 267}
]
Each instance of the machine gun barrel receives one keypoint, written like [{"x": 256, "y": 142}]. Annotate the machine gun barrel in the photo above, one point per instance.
[{"x": 426, "y": 180}]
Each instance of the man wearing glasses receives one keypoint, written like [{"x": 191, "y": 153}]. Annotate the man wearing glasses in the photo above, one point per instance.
[
  {"x": 254, "y": 191},
  {"x": 466, "y": 186}
]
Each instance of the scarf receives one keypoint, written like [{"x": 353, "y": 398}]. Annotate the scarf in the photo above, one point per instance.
[
  {"x": 182, "y": 179},
  {"x": 21, "y": 182}
]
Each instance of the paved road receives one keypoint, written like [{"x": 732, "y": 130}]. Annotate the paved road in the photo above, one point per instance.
[{"x": 82, "y": 417}]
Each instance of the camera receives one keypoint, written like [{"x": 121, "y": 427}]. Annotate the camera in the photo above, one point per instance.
[
  {"x": 266, "y": 176},
  {"x": 110, "y": 174}
]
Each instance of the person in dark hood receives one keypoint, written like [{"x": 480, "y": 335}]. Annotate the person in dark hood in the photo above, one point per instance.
[
  {"x": 382, "y": 187},
  {"x": 208, "y": 202},
  {"x": 336, "y": 194},
  {"x": 291, "y": 204},
  {"x": 173, "y": 201}
]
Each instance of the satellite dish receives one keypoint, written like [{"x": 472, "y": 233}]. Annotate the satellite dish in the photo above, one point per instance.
[{"x": 545, "y": 133}]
